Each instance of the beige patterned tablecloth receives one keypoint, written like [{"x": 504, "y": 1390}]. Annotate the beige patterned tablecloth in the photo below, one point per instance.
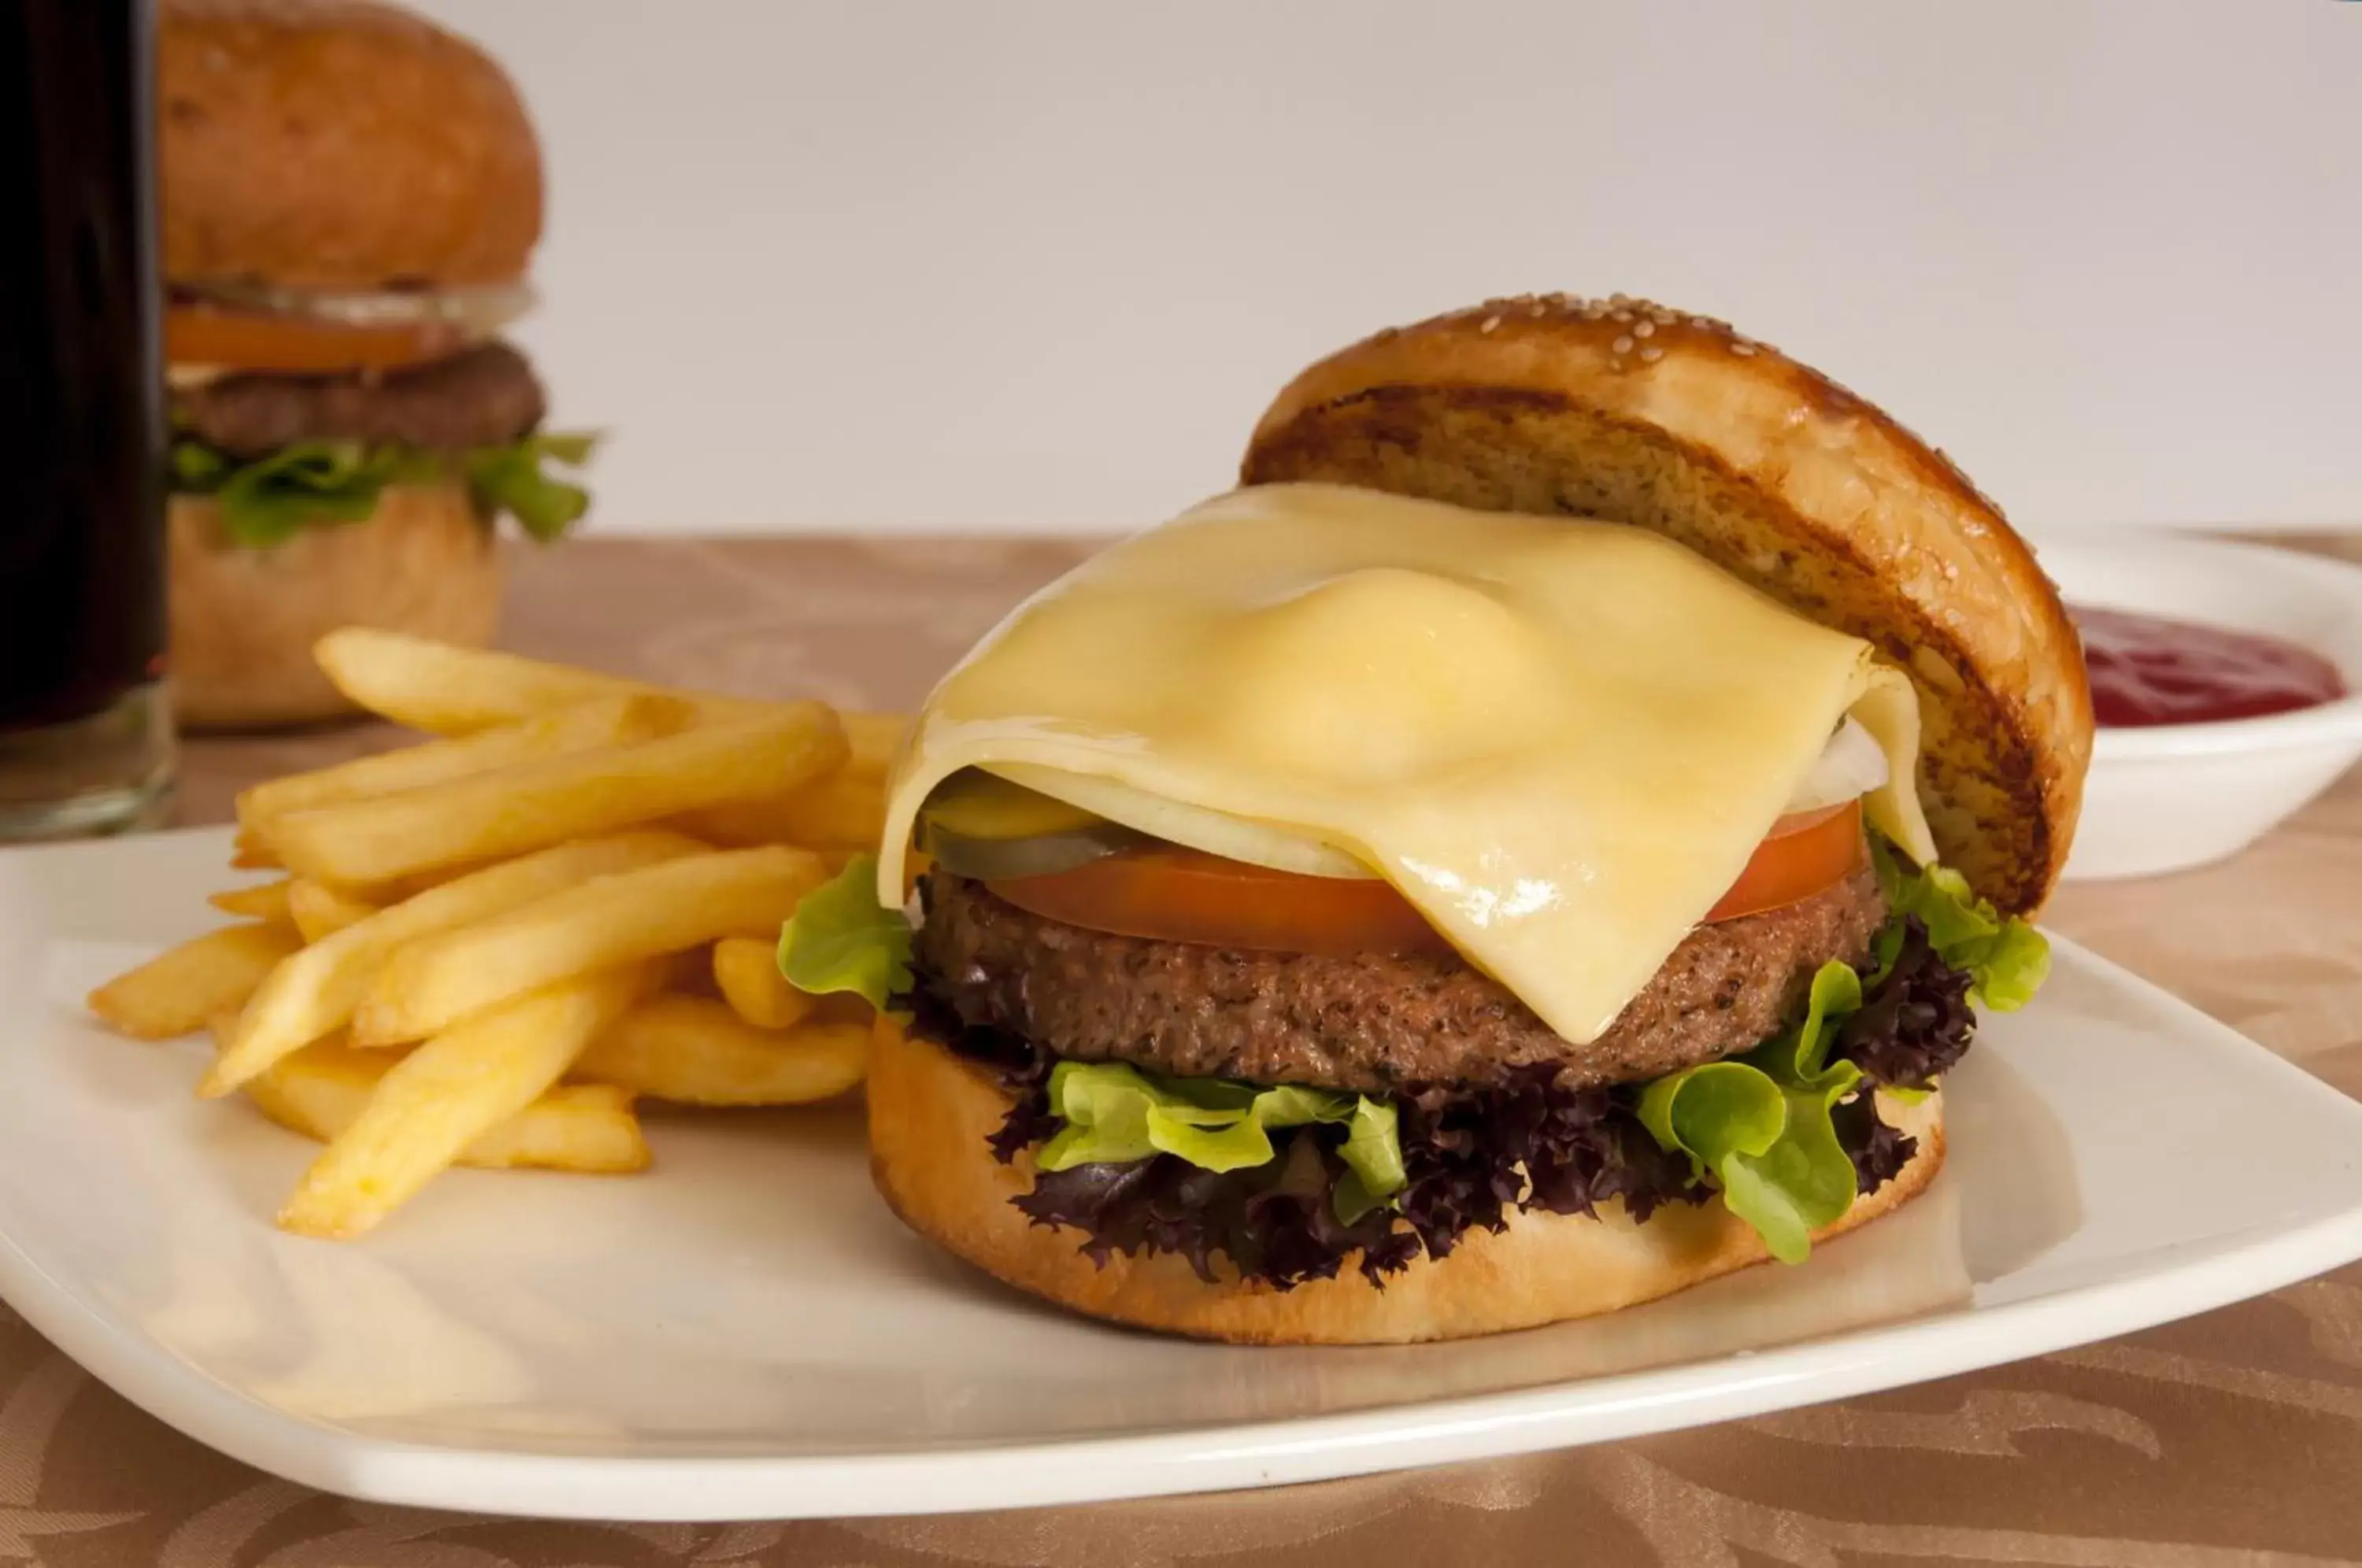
[{"x": 2234, "y": 1438}]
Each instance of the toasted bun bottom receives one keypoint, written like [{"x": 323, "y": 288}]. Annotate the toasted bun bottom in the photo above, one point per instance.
[
  {"x": 244, "y": 620},
  {"x": 930, "y": 1114}
]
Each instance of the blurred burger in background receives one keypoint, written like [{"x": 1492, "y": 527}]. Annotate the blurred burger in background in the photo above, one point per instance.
[{"x": 350, "y": 198}]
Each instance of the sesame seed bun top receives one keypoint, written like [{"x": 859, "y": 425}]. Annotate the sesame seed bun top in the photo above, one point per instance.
[
  {"x": 338, "y": 145},
  {"x": 1625, "y": 410}
]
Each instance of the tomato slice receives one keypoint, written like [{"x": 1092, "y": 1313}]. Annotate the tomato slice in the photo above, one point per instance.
[
  {"x": 1169, "y": 894},
  {"x": 250, "y": 340},
  {"x": 1804, "y": 854}
]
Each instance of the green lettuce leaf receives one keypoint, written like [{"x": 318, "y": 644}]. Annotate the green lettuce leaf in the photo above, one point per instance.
[
  {"x": 2006, "y": 958},
  {"x": 509, "y": 479},
  {"x": 197, "y": 466},
  {"x": 1105, "y": 1107},
  {"x": 314, "y": 483},
  {"x": 1802, "y": 1182},
  {"x": 1372, "y": 1150},
  {"x": 1796, "y": 1056},
  {"x": 1759, "y": 1124},
  {"x": 1769, "y": 1144},
  {"x": 268, "y": 501},
  {"x": 2012, "y": 969},
  {"x": 1289, "y": 1105},
  {"x": 1114, "y": 1114},
  {"x": 842, "y": 939}
]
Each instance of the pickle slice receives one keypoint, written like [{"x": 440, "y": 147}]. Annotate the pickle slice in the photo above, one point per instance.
[
  {"x": 979, "y": 825},
  {"x": 974, "y": 805}
]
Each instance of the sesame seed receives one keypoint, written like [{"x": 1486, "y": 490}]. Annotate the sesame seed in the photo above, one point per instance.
[
  {"x": 1620, "y": 315},
  {"x": 1623, "y": 344},
  {"x": 1651, "y": 354},
  {"x": 1540, "y": 309},
  {"x": 1663, "y": 317},
  {"x": 1741, "y": 346},
  {"x": 1701, "y": 321},
  {"x": 1590, "y": 311},
  {"x": 1644, "y": 329},
  {"x": 1385, "y": 332},
  {"x": 1488, "y": 324}
]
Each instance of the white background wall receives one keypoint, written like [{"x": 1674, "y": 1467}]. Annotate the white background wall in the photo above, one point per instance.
[{"x": 1038, "y": 264}]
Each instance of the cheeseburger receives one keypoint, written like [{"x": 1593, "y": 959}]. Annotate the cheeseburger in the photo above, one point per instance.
[
  {"x": 1542, "y": 843},
  {"x": 350, "y": 197}
]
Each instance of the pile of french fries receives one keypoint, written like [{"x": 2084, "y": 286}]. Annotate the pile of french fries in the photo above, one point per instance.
[{"x": 484, "y": 949}]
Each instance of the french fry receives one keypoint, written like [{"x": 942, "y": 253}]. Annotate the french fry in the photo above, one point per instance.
[
  {"x": 532, "y": 804},
  {"x": 693, "y": 1051},
  {"x": 320, "y": 911},
  {"x": 569, "y": 896},
  {"x": 873, "y": 737},
  {"x": 324, "y": 1089},
  {"x": 249, "y": 853},
  {"x": 265, "y": 901},
  {"x": 617, "y": 720},
  {"x": 436, "y": 1102},
  {"x": 747, "y": 970},
  {"x": 448, "y": 691},
  {"x": 847, "y": 808},
  {"x": 176, "y": 991},
  {"x": 427, "y": 986},
  {"x": 315, "y": 991}
]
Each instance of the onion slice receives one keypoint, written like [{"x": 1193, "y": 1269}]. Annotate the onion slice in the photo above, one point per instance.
[
  {"x": 1216, "y": 833},
  {"x": 480, "y": 311},
  {"x": 1849, "y": 767}
]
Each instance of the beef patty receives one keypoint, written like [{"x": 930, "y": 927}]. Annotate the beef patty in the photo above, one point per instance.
[
  {"x": 1374, "y": 1022},
  {"x": 483, "y": 396}
]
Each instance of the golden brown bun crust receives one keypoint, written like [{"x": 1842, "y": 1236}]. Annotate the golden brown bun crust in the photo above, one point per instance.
[
  {"x": 1625, "y": 410},
  {"x": 338, "y": 145},
  {"x": 930, "y": 1114},
  {"x": 244, "y": 620}
]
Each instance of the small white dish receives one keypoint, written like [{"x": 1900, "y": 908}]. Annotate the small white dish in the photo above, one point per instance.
[
  {"x": 2176, "y": 796},
  {"x": 746, "y": 1333}
]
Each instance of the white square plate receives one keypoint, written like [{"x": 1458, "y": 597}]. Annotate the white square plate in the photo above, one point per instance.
[{"x": 746, "y": 1333}]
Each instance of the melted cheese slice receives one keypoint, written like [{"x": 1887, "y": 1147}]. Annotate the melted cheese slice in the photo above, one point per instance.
[{"x": 1561, "y": 740}]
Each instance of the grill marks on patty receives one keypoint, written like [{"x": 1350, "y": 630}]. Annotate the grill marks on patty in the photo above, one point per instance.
[
  {"x": 1374, "y": 1022},
  {"x": 483, "y": 396}
]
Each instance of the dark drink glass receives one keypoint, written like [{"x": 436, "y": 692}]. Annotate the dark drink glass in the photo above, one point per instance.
[{"x": 85, "y": 729}]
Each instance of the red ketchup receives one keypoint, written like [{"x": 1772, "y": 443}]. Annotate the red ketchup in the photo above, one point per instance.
[{"x": 2147, "y": 669}]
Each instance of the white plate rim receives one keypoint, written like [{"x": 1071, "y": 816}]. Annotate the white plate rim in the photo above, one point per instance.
[
  {"x": 678, "y": 1488},
  {"x": 1271, "y": 1453}
]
